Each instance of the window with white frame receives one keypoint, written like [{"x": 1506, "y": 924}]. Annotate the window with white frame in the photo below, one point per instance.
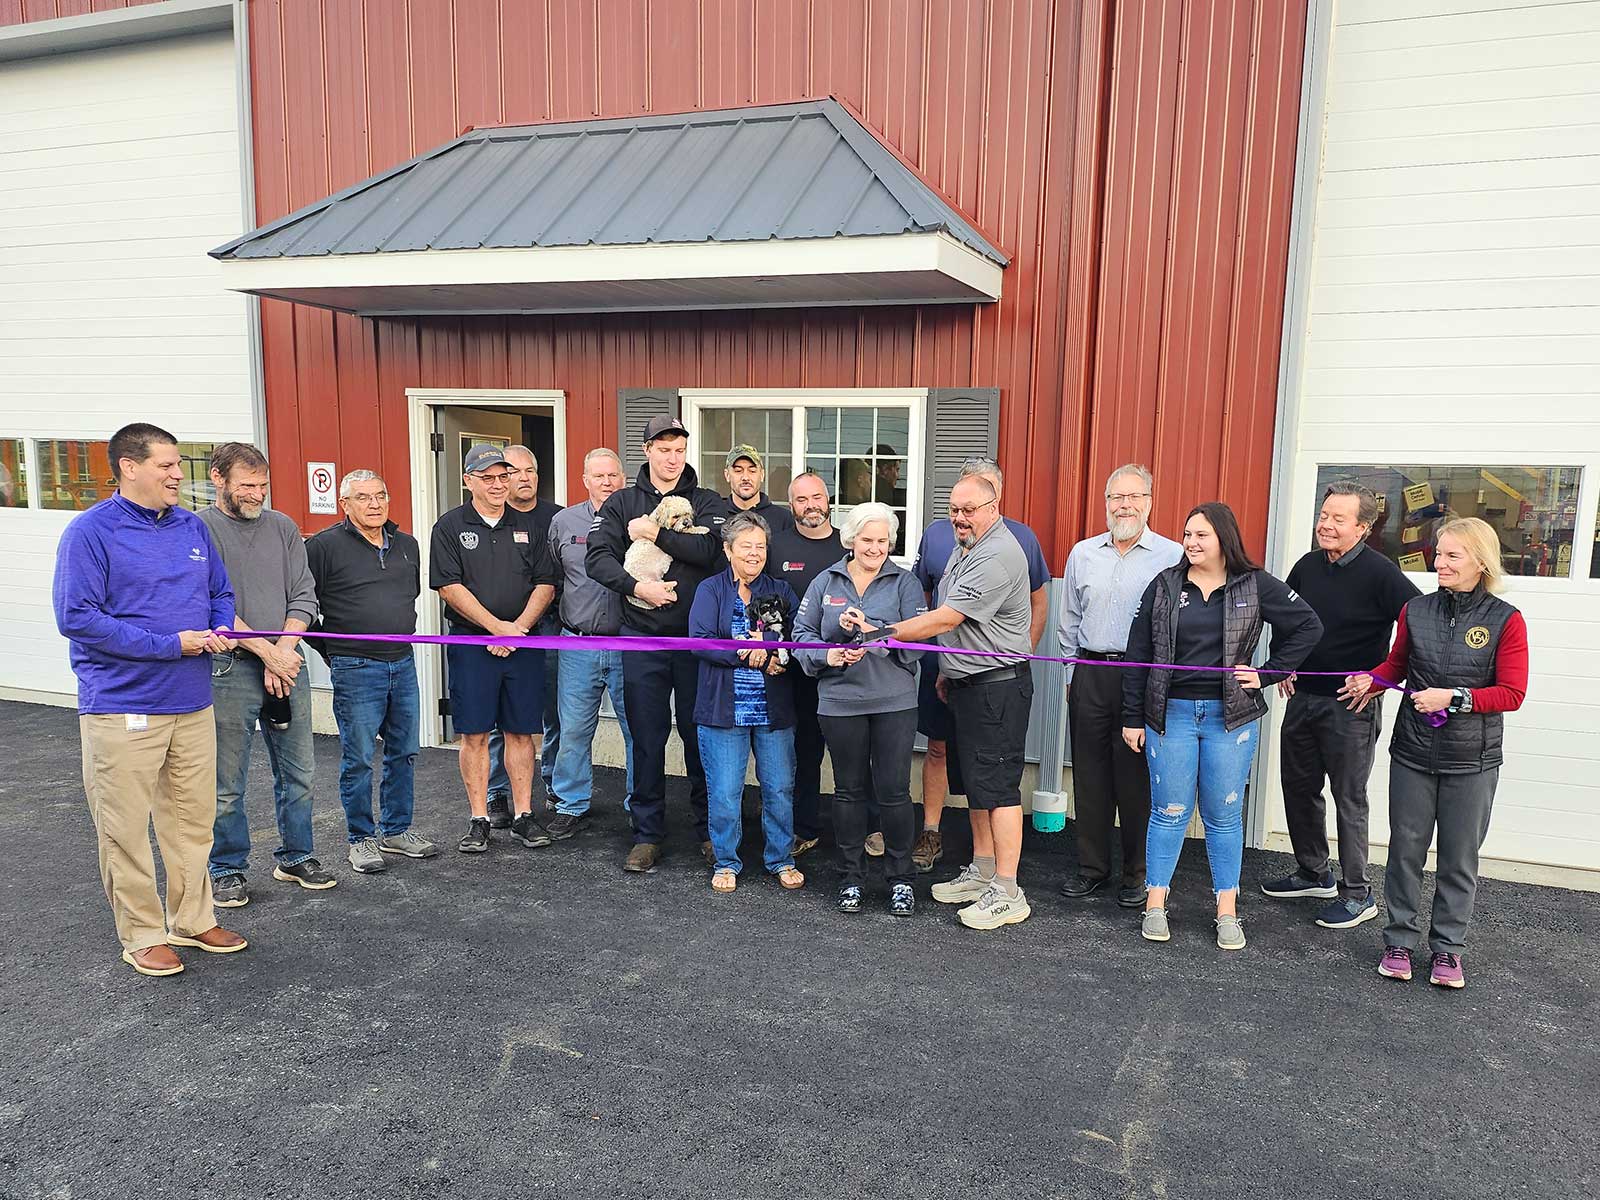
[{"x": 865, "y": 443}]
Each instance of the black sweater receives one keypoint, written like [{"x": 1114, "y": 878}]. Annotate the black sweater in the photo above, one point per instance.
[
  {"x": 1358, "y": 598},
  {"x": 361, "y": 591}
]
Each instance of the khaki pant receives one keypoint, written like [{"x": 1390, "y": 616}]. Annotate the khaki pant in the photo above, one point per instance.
[{"x": 165, "y": 773}]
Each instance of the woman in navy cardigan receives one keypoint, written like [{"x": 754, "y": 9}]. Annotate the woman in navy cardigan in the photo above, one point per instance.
[{"x": 745, "y": 703}]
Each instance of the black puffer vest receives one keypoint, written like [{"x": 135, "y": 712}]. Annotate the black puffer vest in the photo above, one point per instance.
[
  {"x": 1454, "y": 637},
  {"x": 1241, "y": 633}
]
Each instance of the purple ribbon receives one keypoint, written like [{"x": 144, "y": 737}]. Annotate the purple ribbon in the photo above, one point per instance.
[{"x": 614, "y": 642}]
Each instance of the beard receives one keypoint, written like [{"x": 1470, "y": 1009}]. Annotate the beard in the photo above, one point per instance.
[
  {"x": 966, "y": 540},
  {"x": 1126, "y": 529},
  {"x": 248, "y": 510},
  {"x": 814, "y": 519}
]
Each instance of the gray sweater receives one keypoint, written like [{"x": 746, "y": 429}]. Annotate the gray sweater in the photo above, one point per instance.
[
  {"x": 266, "y": 562},
  {"x": 885, "y": 680}
]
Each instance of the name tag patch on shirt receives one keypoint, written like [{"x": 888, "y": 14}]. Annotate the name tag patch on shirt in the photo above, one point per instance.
[
  {"x": 835, "y": 601},
  {"x": 519, "y": 535},
  {"x": 137, "y": 722}
]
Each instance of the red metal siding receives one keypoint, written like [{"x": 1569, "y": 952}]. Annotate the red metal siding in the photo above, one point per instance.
[
  {"x": 15, "y": 12},
  {"x": 1135, "y": 157}
]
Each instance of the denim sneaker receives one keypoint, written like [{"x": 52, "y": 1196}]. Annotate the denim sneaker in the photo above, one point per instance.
[
  {"x": 1154, "y": 927},
  {"x": 902, "y": 900},
  {"x": 1447, "y": 971},
  {"x": 1395, "y": 963},
  {"x": 963, "y": 889},
  {"x": 308, "y": 874},
  {"x": 1299, "y": 887},
  {"x": 527, "y": 830},
  {"x": 994, "y": 908},
  {"x": 227, "y": 891},
  {"x": 850, "y": 899},
  {"x": 1347, "y": 913},
  {"x": 409, "y": 843},
  {"x": 365, "y": 858},
  {"x": 1230, "y": 933}
]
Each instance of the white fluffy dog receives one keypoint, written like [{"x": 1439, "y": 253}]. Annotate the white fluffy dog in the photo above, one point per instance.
[{"x": 648, "y": 562}]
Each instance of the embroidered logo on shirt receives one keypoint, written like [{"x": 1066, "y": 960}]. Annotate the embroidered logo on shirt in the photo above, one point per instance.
[
  {"x": 1477, "y": 637},
  {"x": 469, "y": 540},
  {"x": 197, "y": 555},
  {"x": 834, "y": 601},
  {"x": 794, "y": 566},
  {"x": 1183, "y": 598}
]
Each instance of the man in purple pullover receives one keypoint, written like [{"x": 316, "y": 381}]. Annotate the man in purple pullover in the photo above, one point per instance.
[{"x": 139, "y": 592}]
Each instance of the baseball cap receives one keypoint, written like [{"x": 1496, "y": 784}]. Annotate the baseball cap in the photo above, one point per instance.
[
  {"x": 745, "y": 451},
  {"x": 483, "y": 456},
  {"x": 664, "y": 425}
]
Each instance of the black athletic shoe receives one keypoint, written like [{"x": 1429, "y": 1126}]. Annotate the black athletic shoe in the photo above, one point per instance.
[
  {"x": 477, "y": 839},
  {"x": 564, "y": 825},
  {"x": 499, "y": 812},
  {"x": 850, "y": 899},
  {"x": 902, "y": 900},
  {"x": 308, "y": 874},
  {"x": 227, "y": 891},
  {"x": 527, "y": 830}
]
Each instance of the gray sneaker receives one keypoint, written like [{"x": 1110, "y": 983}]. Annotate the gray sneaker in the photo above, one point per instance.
[
  {"x": 963, "y": 889},
  {"x": 994, "y": 908},
  {"x": 412, "y": 845},
  {"x": 1155, "y": 927},
  {"x": 365, "y": 858},
  {"x": 1230, "y": 933}
]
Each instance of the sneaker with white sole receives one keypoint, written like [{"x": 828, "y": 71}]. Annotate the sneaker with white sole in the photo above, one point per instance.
[
  {"x": 963, "y": 889},
  {"x": 366, "y": 858},
  {"x": 1347, "y": 913},
  {"x": 308, "y": 874},
  {"x": 410, "y": 844},
  {"x": 994, "y": 908},
  {"x": 1154, "y": 927},
  {"x": 1230, "y": 933}
]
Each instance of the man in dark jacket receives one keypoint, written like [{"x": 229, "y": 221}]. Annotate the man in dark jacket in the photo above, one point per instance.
[
  {"x": 746, "y": 476},
  {"x": 368, "y": 575},
  {"x": 655, "y": 680}
]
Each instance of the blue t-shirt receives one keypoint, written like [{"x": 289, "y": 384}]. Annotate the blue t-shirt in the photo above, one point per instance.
[
  {"x": 939, "y": 543},
  {"x": 749, "y": 684}
]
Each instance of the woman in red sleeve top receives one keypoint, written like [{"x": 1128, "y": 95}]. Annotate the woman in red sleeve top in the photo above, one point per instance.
[{"x": 1464, "y": 653}]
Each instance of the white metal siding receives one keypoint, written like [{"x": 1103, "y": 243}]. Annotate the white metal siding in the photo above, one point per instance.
[
  {"x": 1455, "y": 317},
  {"x": 119, "y": 169}
]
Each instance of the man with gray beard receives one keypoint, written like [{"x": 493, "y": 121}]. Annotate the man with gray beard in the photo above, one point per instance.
[{"x": 1105, "y": 577}]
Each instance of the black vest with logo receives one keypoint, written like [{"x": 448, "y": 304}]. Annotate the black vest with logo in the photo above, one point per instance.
[
  {"x": 1241, "y": 632},
  {"x": 1454, "y": 637}
]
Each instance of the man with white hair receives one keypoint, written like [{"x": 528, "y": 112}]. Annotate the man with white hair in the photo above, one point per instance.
[
  {"x": 1106, "y": 574},
  {"x": 368, "y": 574}
]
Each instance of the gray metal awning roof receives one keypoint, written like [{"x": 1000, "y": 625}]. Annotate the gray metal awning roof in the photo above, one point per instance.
[{"x": 787, "y": 204}]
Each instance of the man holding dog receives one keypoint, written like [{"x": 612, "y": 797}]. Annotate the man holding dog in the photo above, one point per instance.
[{"x": 654, "y": 681}]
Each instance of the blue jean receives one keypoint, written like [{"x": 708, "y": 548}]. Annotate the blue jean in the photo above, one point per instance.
[
  {"x": 726, "y": 755},
  {"x": 586, "y": 675},
  {"x": 373, "y": 699},
  {"x": 236, "y": 698},
  {"x": 1197, "y": 756},
  {"x": 499, "y": 781}
]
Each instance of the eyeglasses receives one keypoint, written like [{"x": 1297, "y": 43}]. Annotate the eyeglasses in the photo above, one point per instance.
[
  {"x": 375, "y": 498},
  {"x": 1124, "y": 497},
  {"x": 966, "y": 510},
  {"x": 498, "y": 477}
]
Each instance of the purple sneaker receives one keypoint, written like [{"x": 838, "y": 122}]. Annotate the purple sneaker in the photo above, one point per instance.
[
  {"x": 1447, "y": 971},
  {"x": 1396, "y": 963}
]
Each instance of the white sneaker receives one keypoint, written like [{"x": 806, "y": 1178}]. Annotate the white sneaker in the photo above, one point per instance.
[
  {"x": 994, "y": 908},
  {"x": 963, "y": 889}
]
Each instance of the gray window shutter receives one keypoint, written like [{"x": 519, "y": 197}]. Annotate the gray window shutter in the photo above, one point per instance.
[
  {"x": 963, "y": 423},
  {"x": 635, "y": 407}
]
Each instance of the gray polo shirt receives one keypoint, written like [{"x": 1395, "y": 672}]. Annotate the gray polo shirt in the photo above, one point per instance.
[
  {"x": 586, "y": 606},
  {"x": 988, "y": 585}
]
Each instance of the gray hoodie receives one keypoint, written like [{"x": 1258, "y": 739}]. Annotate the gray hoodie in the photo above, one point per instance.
[{"x": 885, "y": 680}]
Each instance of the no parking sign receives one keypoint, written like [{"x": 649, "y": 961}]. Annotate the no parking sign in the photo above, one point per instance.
[{"x": 320, "y": 483}]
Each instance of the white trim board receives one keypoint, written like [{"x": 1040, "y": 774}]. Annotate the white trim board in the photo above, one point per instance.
[
  {"x": 117, "y": 27},
  {"x": 420, "y": 403}
]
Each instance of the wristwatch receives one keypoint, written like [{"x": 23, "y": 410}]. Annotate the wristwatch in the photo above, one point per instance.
[{"x": 1461, "y": 701}]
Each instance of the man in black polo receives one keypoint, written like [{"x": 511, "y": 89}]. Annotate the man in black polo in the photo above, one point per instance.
[
  {"x": 655, "y": 682},
  {"x": 797, "y": 556},
  {"x": 496, "y": 577},
  {"x": 1358, "y": 594},
  {"x": 746, "y": 477}
]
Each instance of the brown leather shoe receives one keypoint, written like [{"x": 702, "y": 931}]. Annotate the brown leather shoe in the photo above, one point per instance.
[
  {"x": 709, "y": 853},
  {"x": 153, "y": 960},
  {"x": 215, "y": 940},
  {"x": 643, "y": 858}
]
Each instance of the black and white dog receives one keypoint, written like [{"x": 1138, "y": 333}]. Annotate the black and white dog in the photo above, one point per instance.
[{"x": 771, "y": 612}]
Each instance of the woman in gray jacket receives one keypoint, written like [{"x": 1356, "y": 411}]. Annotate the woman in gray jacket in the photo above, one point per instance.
[{"x": 866, "y": 698}]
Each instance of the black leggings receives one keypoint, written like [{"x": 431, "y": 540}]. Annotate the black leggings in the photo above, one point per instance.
[{"x": 873, "y": 751}]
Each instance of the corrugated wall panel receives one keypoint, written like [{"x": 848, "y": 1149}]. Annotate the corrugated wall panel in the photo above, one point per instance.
[{"x": 1134, "y": 156}]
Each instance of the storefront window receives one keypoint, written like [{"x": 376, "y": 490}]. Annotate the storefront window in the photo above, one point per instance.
[
  {"x": 13, "y": 474},
  {"x": 861, "y": 452},
  {"x": 1533, "y": 509},
  {"x": 75, "y": 475}
]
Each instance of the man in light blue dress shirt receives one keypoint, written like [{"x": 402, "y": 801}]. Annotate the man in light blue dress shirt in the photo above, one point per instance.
[{"x": 1105, "y": 577}]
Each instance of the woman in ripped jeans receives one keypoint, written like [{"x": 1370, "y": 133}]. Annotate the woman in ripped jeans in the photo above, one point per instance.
[{"x": 1195, "y": 719}]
